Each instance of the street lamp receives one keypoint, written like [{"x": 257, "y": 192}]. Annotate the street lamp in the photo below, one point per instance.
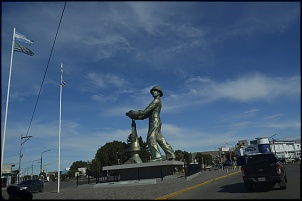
[
  {"x": 273, "y": 142},
  {"x": 48, "y": 164},
  {"x": 32, "y": 168},
  {"x": 230, "y": 152},
  {"x": 21, "y": 155},
  {"x": 41, "y": 159},
  {"x": 272, "y": 136}
]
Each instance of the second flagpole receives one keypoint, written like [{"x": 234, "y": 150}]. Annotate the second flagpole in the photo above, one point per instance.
[{"x": 59, "y": 154}]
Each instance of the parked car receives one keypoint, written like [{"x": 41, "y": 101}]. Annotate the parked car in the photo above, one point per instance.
[
  {"x": 32, "y": 185},
  {"x": 289, "y": 160}
]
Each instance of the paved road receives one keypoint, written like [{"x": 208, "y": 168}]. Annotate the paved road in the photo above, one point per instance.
[
  {"x": 152, "y": 190},
  {"x": 232, "y": 188}
]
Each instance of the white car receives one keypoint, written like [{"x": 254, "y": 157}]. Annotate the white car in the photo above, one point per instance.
[{"x": 289, "y": 160}]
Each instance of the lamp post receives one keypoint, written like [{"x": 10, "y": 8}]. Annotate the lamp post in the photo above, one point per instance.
[
  {"x": 117, "y": 159},
  {"x": 45, "y": 166},
  {"x": 41, "y": 160},
  {"x": 21, "y": 155},
  {"x": 273, "y": 142},
  {"x": 272, "y": 136},
  {"x": 48, "y": 164},
  {"x": 230, "y": 152},
  {"x": 32, "y": 168}
]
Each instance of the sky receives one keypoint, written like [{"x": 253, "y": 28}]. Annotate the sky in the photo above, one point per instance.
[{"x": 229, "y": 71}]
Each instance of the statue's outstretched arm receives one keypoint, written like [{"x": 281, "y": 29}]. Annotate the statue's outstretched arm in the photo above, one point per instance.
[
  {"x": 136, "y": 115},
  {"x": 143, "y": 114}
]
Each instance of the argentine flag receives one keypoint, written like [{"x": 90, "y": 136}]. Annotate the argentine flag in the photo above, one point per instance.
[
  {"x": 22, "y": 38},
  {"x": 21, "y": 48}
]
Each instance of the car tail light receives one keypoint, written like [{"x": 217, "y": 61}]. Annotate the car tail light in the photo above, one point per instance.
[
  {"x": 242, "y": 171},
  {"x": 278, "y": 168}
]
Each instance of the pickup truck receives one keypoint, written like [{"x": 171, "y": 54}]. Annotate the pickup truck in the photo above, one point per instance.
[{"x": 264, "y": 168}]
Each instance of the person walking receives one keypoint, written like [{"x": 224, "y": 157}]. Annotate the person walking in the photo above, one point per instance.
[{"x": 154, "y": 137}]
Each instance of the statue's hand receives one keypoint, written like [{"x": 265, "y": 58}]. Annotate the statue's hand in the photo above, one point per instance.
[
  {"x": 136, "y": 114},
  {"x": 131, "y": 114}
]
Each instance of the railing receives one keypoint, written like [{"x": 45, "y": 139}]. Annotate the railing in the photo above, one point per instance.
[
  {"x": 98, "y": 179},
  {"x": 191, "y": 169}
]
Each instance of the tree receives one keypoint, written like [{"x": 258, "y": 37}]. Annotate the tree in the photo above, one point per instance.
[
  {"x": 187, "y": 157},
  {"x": 145, "y": 150},
  {"x": 71, "y": 173},
  {"x": 183, "y": 156},
  {"x": 179, "y": 155},
  {"x": 110, "y": 153},
  {"x": 95, "y": 167},
  {"x": 78, "y": 164},
  {"x": 205, "y": 158}
]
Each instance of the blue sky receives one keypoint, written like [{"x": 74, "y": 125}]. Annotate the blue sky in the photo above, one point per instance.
[{"x": 229, "y": 71}]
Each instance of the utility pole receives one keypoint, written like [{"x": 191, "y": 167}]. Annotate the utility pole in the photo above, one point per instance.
[{"x": 21, "y": 155}]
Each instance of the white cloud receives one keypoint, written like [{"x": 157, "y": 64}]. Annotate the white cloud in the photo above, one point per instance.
[
  {"x": 251, "y": 111},
  {"x": 274, "y": 116},
  {"x": 249, "y": 88},
  {"x": 100, "y": 81}
]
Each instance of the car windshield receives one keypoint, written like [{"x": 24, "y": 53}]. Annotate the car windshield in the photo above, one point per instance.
[{"x": 262, "y": 158}]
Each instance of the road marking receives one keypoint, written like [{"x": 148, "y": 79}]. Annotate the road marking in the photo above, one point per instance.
[{"x": 166, "y": 197}]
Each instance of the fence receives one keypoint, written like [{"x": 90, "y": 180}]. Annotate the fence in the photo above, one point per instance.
[{"x": 96, "y": 178}]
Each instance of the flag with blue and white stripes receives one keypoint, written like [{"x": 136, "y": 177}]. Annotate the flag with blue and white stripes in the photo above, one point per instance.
[{"x": 22, "y": 38}]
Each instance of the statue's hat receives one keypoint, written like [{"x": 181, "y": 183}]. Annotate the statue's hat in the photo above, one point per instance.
[{"x": 157, "y": 88}]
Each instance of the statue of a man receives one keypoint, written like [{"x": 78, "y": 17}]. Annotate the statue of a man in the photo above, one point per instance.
[{"x": 155, "y": 136}]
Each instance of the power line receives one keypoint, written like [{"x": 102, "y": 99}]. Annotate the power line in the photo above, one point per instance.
[{"x": 46, "y": 69}]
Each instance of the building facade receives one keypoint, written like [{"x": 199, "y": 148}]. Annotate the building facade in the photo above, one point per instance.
[{"x": 284, "y": 150}]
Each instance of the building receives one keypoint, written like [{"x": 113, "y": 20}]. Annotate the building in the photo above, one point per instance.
[
  {"x": 282, "y": 149},
  {"x": 286, "y": 149},
  {"x": 8, "y": 175}
]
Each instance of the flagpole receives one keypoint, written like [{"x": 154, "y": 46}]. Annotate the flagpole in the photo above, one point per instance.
[
  {"x": 59, "y": 163},
  {"x": 7, "y": 98}
]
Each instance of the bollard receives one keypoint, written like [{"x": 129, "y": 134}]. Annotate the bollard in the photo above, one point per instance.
[
  {"x": 96, "y": 177},
  {"x": 77, "y": 180}
]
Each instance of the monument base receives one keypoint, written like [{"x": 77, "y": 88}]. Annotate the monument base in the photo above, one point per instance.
[{"x": 148, "y": 170}]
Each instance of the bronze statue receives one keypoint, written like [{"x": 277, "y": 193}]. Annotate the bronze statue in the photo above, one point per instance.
[{"x": 155, "y": 136}]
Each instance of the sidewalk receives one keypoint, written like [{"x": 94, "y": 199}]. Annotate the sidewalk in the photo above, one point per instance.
[{"x": 147, "y": 190}]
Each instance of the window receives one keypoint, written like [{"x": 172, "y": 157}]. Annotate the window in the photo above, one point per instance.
[
  {"x": 264, "y": 148},
  {"x": 262, "y": 158}
]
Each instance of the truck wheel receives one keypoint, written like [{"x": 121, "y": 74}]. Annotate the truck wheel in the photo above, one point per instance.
[
  {"x": 282, "y": 184},
  {"x": 248, "y": 187}
]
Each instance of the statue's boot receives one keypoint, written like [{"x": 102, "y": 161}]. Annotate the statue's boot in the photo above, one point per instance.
[{"x": 156, "y": 159}]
